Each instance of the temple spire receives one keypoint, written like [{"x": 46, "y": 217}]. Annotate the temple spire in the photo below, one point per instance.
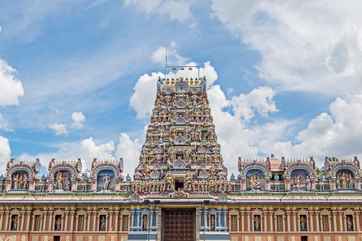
[{"x": 181, "y": 138}]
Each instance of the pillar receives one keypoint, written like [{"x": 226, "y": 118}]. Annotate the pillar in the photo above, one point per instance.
[
  {"x": 2, "y": 213},
  {"x": 116, "y": 223},
  {"x": 317, "y": 213},
  {"x": 72, "y": 217},
  {"x": 334, "y": 216}
]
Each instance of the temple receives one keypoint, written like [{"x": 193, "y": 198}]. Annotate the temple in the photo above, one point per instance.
[{"x": 181, "y": 190}]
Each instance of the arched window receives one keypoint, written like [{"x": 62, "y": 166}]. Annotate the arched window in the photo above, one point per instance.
[
  {"x": 37, "y": 222},
  {"x": 145, "y": 222},
  {"x": 349, "y": 223},
  {"x": 212, "y": 222},
  {"x": 125, "y": 222},
  {"x": 257, "y": 223},
  {"x": 234, "y": 223},
  {"x": 103, "y": 222},
  {"x": 81, "y": 219},
  {"x": 279, "y": 220},
  {"x": 325, "y": 222},
  {"x": 14, "y": 222},
  {"x": 303, "y": 224},
  {"x": 58, "y": 223}
]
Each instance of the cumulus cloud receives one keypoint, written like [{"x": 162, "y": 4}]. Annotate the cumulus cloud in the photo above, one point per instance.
[
  {"x": 78, "y": 119},
  {"x": 129, "y": 150},
  {"x": 337, "y": 132},
  {"x": 90, "y": 150},
  {"x": 11, "y": 89},
  {"x": 305, "y": 46},
  {"x": 144, "y": 94},
  {"x": 173, "y": 57},
  {"x": 259, "y": 100},
  {"x": 177, "y": 10},
  {"x": 235, "y": 135},
  {"x": 5, "y": 153},
  {"x": 58, "y": 128}
]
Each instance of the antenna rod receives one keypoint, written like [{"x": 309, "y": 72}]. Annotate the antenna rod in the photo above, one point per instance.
[{"x": 166, "y": 58}]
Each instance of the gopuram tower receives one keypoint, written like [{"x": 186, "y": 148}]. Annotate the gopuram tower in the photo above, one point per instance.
[{"x": 181, "y": 152}]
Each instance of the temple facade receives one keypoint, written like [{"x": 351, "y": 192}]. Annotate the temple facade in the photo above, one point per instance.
[{"x": 181, "y": 190}]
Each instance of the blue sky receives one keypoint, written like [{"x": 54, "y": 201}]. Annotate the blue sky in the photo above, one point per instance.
[{"x": 284, "y": 78}]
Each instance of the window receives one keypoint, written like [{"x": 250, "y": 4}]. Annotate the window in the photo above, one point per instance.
[
  {"x": 125, "y": 223},
  {"x": 81, "y": 223},
  {"x": 279, "y": 223},
  {"x": 234, "y": 223},
  {"x": 102, "y": 223},
  {"x": 37, "y": 222},
  {"x": 349, "y": 223},
  {"x": 257, "y": 223},
  {"x": 144, "y": 222},
  {"x": 14, "y": 222},
  {"x": 58, "y": 223},
  {"x": 304, "y": 238},
  {"x": 303, "y": 223},
  {"x": 325, "y": 223},
  {"x": 212, "y": 223},
  {"x": 56, "y": 238}
]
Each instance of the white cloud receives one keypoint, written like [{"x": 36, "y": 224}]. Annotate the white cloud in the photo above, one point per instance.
[
  {"x": 177, "y": 10},
  {"x": 5, "y": 153},
  {"x": 129, "y": 150},
  {"x": 10, "y": 87},
  {"x": 259, "y": 100},
  {"x": 235, "y": 135},
  {"x": 306, "y": 46},
  {"x": 78, "y": 119},
  {"x": 144, "y": 95},
  {"x": 58, "y": 128},
  {"x": 90, "y": 150},
  {"x": 337, "y": 132},
  {"x": 173, "y": 57}
]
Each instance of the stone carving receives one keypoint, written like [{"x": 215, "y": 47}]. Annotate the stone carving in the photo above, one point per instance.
[
  {"x": 344, "y": 179},
  {"x": 62, "y": 181},
  {"x": 20, "y": 181}
]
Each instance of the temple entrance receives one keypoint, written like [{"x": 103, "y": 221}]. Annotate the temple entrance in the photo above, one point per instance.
[{"x": 178, "y": 224}]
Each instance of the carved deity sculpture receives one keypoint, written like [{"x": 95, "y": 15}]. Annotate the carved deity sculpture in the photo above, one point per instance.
[
  {"x": 62, "y": 181},
  {"x": 254, "y": 183},
  {"x": 59, "y": 181},
  {"x": 344, "y": 180},
  {"x": 170, "y": 183},
  {"x": 106, "y": 182}
]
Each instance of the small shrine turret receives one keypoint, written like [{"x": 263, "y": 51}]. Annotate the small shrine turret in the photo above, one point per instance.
[{"x": 21, "y": 175}]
